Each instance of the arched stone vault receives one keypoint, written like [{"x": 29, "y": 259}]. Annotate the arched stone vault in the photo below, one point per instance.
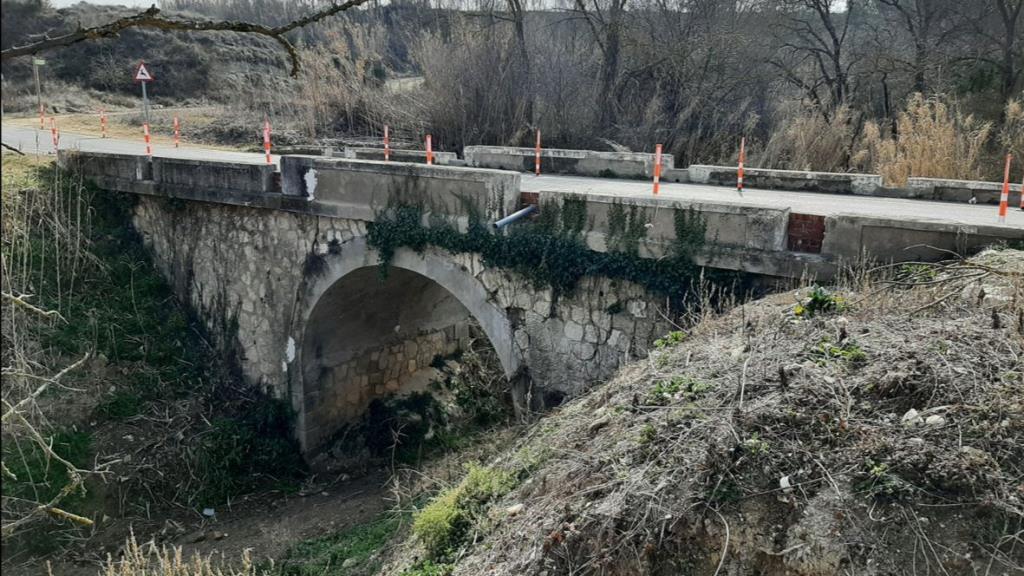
[{"x": 363, "y": 335}]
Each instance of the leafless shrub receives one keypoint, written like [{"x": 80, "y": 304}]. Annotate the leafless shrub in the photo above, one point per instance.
[{"x": 43, "y": 243}]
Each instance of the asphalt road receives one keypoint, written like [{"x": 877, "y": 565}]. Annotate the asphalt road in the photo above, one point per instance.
[
  {"x": 24, "y": 139},
  {"x": 803, "y": 202}
]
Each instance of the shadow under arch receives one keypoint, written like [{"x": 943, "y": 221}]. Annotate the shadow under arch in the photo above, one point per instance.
[{"x": 355, "y": 324}]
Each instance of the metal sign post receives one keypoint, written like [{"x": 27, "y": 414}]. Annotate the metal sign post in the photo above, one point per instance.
[
  {"x": 36, "y": 63},
  {"x": 143, "y": 77}
]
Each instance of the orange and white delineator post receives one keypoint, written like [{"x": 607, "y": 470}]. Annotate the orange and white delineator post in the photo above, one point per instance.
[
  {"x": 145, "y": 134},
  {"x": 430, "y": 151},
  {"x": 54, "y": 133},
  {"x": 103, "y": 123},
  {"x": 387, "y": 144},
  {"x": 536, "y": 155},
  {"x": 743, "y": 157},
  {"x": 177, "y": 132},
  {"x": 1004, "y": 198},
  {"x": 266, "y": 139},
  {"x": 657, "y": 169}
]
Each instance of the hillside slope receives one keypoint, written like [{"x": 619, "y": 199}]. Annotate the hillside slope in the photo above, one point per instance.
[{"x": 872, "y": 430}]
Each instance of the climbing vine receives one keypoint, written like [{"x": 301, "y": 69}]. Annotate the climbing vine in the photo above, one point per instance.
[
  {"x": 551, "y": 250},
  {"x": 626, "y": 228}
]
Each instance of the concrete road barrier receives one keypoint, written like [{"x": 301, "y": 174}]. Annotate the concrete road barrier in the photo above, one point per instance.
[
  {"x": 562, "y": 161},
  {"x": 958, "y": 190},
  {"x": 832, "y": 182},
  {"x": 363, "y": 188},
  {"x": 397, "y": 155}
]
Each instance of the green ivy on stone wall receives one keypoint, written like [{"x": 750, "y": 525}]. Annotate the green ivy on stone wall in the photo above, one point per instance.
[{"x": 550, "y": 251}]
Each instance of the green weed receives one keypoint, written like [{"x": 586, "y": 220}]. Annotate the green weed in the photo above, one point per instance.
[
  {"x": 677, "y": 388},
  {"x": 848, "y": 352},
  {"x": 350, "y": 552},
  {"x": 819, "y": 301},
  {"x": 443, "y": 524},
  {"x": 670, "y": 340}
]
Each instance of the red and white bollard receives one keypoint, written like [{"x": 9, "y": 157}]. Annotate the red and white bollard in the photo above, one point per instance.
[
  {"x": 657, "y": 169},
  {"x": 1004, "y": 198},
  {"x": 42, "y": 118},
  {"x": 266, "y": 139},
  {"x": 743, "y": 157},
  {"x": 536, "y": 156},
  {"x": 54, "y": 133},
  {"x": 430, "y": 151},
  {"x": 387, "y": 144},
  {"x": 145, "y": 135},
  {"x": 103, "y": 123},
  {"x": 177, "y": 132}
]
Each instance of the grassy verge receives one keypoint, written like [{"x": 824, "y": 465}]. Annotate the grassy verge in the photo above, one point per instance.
[{"x": 72, "y": 248}]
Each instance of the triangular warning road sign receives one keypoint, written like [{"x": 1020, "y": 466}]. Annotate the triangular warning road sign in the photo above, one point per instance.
[{"x": 142, "y": 73}]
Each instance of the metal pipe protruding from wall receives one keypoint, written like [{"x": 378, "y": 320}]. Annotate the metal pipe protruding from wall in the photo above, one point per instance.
[{"x": 518, "y": 215}]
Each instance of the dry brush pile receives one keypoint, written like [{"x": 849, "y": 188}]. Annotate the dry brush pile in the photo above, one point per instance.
[{"x": 876, "y": 428}]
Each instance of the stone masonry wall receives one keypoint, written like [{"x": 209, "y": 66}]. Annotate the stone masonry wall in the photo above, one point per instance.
[{"x": 399, "y": 368}]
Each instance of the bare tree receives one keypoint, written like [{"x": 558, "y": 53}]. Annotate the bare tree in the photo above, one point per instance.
[
  {"x": 606, "y": 21},
  {"x": 814, "y": 35},
  {"x": 151, "y": 18},
  {"x": 1008, "y": 14},
  {"x": 928, "y": 24}
]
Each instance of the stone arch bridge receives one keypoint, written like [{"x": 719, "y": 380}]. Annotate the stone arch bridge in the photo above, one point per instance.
[{"x": 280, "y": 264}]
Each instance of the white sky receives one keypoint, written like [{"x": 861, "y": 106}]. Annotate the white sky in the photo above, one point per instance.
[{"x": 134, "y": 3}]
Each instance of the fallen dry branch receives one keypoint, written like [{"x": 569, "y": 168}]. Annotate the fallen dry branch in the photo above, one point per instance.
[{"x": 151, "y": 18}]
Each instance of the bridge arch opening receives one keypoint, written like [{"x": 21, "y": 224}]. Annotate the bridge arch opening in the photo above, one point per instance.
[{"x": 375, "y": 337}]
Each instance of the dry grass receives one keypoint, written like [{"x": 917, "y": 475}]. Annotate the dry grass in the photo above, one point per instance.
[
  {"x": 807, "y": 140},
  {"x": 149, "y": 560},
  {"x": 933, "y": 139},
  {"x": 780, "y": 435}
]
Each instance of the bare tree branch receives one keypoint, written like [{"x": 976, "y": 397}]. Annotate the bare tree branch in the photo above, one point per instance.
[{"x": 151, "y": 18}]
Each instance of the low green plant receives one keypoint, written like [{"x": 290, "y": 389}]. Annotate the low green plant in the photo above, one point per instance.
[
  {"x": 670, "y": 340},
  {"x": 819, "y": 301},
  {"x": 443, "y": 524},
  {"x": 244, "y": 448},
  {"x": 40, "y": 479},
  {"x": 755, "y": 445},
  {"x": 677, "y": 388},
  {"x": 648, "y": 434},
  {"x": 350, "y": 552},
  {"x": 847, "y": 351},
  {"x": 120, "y": 405},
  {"x": 878, "y": 481}
]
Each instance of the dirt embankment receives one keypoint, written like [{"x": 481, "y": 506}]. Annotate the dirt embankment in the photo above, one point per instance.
[{"x": 875, "y": 429}]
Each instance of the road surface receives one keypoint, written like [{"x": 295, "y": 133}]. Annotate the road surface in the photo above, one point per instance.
[{"x": 802, "y": 202}]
